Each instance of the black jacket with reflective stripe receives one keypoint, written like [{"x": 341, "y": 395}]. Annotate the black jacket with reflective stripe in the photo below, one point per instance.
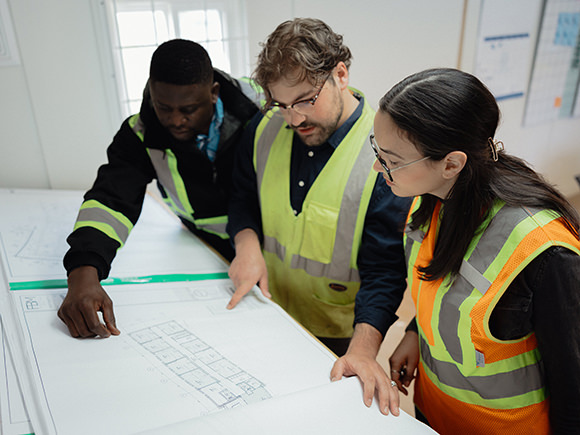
[{"x": 121, "y": 182}]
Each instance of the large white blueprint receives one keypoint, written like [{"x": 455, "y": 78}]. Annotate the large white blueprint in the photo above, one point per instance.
[
  {"x": 181, "y": 355},
  {"x": 182, "y": 364}
]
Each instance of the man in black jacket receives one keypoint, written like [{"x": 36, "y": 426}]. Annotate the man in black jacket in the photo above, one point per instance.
[{"x": 184, "y": 137}]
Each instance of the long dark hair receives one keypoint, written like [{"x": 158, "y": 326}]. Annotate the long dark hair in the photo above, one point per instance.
[{"x": 445, "y": 110}]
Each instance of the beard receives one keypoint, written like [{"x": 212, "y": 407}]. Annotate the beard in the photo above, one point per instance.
[{"x": 323, "y": 129}]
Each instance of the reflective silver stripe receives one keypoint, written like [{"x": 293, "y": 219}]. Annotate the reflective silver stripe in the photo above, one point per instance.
[
  {"x": 496, "y": 235},
  {"x": 416, "y": 235},
  {"x": 265, "y": 142},
  {"x": 161, "y": 165},
  {"x": 137, "y": 126},
  {"x": 215, "y": 228},
  {"x": 474, "y": 277},
  {"x": 449, "y": 317},
  {"x": 275, "y": 247},
  {"x": 498, "y": 386},
  {"x": 252, "y": 93},
  {"x": 331, "y": 271},
  {"x": 412, "y": 236},
  {"x": 99, "y": 215}
]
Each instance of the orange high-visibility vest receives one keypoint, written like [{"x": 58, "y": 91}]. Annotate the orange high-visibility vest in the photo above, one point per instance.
[{"x": 469, "y": 381}]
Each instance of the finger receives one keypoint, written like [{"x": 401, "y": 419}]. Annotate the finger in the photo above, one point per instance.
[
  {"x": 80, "y": 326},
  {"x": 72, "y": 329},
  {"x": 263, "y": 284},
  {"x": 94, "y": 325},
  {"x": 109, "y": 318},
  {"x": 240, "y": 292},
  {"x": 369, "y": 391},
  {"x": 396, "y": 377},
  {"x": 395, "y": 374},
  {"x": 384, "y": 389},
  {"x": 409, "y": 376},
  {"x": 337, "y": 371},
  {"x": 394, "y": 401}
]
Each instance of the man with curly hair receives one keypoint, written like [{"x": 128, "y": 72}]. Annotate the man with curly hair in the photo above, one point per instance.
[{"x": 312, "y": 223}]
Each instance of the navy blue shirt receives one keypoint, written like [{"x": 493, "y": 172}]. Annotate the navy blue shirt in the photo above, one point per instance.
[{"x": 381, "y": 260}]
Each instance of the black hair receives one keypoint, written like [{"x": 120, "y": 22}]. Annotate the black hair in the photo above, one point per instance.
[
  {"x": 181, "y": 62},
  {"x": 444, "y": 110}
]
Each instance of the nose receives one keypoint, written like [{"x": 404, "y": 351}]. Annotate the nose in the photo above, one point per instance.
[
  {"x": 377, "y": 166},
  {"x": 294, "y": 118},
  {"x": 176, "y": 118}
]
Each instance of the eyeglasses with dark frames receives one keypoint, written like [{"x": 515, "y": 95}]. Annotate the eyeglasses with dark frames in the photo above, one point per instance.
[
  {"x": 303, "y": 107},
  {"x": 375, "y": 148}
]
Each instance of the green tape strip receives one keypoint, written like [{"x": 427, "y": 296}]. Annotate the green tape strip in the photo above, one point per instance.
[{"x": 61, "y": 283}]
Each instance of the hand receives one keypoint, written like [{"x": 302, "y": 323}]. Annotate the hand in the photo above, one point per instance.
[
  {"x": 404, "y": 361},
  {"x": 85, "y": 297},
  {"x": 248, "y": 267},
  {"x": 360, "y": 360}
]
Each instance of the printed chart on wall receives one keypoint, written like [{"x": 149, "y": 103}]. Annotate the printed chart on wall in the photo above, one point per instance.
[
  {"x": 505, "y": 45},
  {"x": 553, "y": 92}
]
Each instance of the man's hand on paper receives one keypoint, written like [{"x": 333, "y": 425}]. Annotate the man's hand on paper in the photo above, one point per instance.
[
  {"x": 404, "y": 361},
  {"x": 360, "y": 360},
  {"x": 84, "y": 299},
  {"x": 248, "y": 267}
]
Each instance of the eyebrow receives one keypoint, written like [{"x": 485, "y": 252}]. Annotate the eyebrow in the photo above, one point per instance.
[
  {"x": 301, "y": 97},
  {"x": 391, "y": 153},
  {"x": 187, "y": 106}
]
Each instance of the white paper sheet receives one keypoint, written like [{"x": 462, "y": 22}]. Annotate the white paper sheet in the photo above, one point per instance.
[
  {"x": 335, "y": 408},
  {"x": 36, "y": 223},
  {"x": 14, "y": 418},
  {"x": 181, "y": 354}
]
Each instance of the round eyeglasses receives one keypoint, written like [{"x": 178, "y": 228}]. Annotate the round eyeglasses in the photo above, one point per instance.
[
  {"x": 303, "y": 107},
  {"x": 375, "y": 148}
]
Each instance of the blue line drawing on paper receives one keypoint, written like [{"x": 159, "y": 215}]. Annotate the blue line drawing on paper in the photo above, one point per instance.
[{"x": 199, "y": 365}]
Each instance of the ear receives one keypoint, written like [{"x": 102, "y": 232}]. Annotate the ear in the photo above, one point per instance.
[
  {"x": 215, "y": 92},
  {"x": 341, "y": 75},
  {"x": 453, "y": 162}
]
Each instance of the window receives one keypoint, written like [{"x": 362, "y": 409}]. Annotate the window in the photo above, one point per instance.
[{"x": 137, "y": 27}]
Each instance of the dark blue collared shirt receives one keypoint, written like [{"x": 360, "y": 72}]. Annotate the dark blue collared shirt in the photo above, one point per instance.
[{"x": 381, "y": 260}]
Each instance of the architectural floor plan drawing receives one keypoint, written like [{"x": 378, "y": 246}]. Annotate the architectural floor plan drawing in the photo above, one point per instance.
[
  {"x": 33, "y": 240},
  {"x": 181, "y": 354},
  {"x": 195, "y": 362}
]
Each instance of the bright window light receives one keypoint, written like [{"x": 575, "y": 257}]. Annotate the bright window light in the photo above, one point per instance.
[{"x": 137, "y": 27}]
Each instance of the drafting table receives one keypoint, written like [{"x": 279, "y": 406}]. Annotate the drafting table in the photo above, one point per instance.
[{"x": 182, "y": 364}]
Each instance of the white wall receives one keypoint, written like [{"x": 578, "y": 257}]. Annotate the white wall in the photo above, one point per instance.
[{"x": 55, "y": 121}]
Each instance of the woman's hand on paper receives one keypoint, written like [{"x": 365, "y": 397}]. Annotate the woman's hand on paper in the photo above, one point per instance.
[{"x": 360, "y": 360}]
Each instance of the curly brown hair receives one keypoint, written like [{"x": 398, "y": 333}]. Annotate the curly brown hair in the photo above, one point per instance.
[{"x": 303, "y": 48}]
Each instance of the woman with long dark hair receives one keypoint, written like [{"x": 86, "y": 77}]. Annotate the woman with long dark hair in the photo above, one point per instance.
[{"x": 493, "y": 256}]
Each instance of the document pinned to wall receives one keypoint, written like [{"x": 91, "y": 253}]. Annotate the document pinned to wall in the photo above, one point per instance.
[
  {"x": 553, "y": 92},
  {"x": 505, "y": 48}
]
